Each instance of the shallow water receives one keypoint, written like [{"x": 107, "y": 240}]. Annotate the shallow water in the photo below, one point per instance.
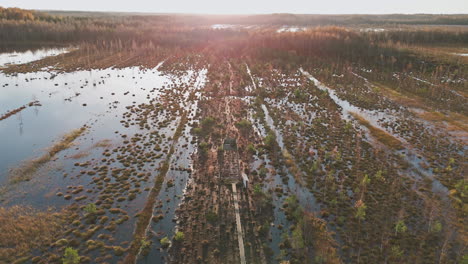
[
  {"x": 12, "y": 58},
  {"x": 290, "y": 29},
  {"x": 68, "y": 101},
  {"x": 222, "y": 26},
  {"x": 97, "y": 99}
]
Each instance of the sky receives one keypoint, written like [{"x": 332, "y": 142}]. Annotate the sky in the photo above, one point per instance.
[{"x": 251, "y": 6}]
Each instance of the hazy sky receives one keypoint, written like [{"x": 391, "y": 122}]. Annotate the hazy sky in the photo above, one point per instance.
[{"x": 251, "y": 6}]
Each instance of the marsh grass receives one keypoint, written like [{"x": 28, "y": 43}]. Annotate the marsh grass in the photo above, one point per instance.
[
  {"x": 80, "y": 155},
  {"x": 382, "y": 136},
  {"x": 144, "y": 218},
  {"x": 105, "y": 143},
  {"x": 23, "y": 229},
  {"x": 17, "y": 110},
  {"x": 27, "y": 169},
  {"x": 454, "y": 121}
]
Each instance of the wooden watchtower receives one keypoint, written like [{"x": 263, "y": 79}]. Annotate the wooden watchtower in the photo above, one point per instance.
[{"x": 230, "y": 171}]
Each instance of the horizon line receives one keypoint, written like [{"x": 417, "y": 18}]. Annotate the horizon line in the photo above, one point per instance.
[{"x": 233, "y": 14}]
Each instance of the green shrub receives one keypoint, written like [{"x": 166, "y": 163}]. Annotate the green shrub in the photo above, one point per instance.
[
  {"x": 145, "y": 243},
  {"x": 436, "y": 227},
  {"x": 257, "y": 189},
  {"x": 400, "y": 227},
  {"x": 90, "y": 208},
  {"x": 270, "y": 139},
  {"x": 165, "y": 242},
  {"x": 179, "y": 236},
  {"x": 251, "y": 148},
  {"x": 361, "y": 212},
  {"x": 71, "y": 256},
  {"x": 203, "y": 147},
  {"x": 244, "y": 125}
]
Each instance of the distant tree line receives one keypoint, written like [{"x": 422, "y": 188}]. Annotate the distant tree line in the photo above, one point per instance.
[
  {"x": 19, "y": 14},
  {"x": 344, "y": 46}
]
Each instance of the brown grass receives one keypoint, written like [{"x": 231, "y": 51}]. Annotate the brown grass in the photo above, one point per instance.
[
  {"x": 444, "y": 54},
  {"x": 105, "y": 143},
  {"x": 23, "y": 229},
  {"x": 27, "y": 169},
  {"x": 382, "y": 136},
  {"x": 80, "y": 155},
  {"x": 19, "y": 109},
  {"x": 455, "y": 121}
]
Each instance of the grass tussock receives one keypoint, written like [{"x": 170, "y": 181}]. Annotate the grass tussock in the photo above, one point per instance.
[
  {"x": 27, "y": 169},
  {"x": 23, "y": 229},
  {"x": 146, "y": 213},
  {"x": 382, "y": 136}
]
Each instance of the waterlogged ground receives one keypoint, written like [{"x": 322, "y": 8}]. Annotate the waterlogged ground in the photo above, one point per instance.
[
  {"x": 12, "y": 58},
  {"x": 341, "y": 168}
]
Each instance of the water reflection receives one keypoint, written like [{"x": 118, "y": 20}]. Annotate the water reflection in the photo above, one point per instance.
[{"x": 12, "y": 58}]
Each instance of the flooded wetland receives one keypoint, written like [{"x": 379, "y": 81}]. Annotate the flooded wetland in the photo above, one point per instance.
[{"x": 222, "y": 141}]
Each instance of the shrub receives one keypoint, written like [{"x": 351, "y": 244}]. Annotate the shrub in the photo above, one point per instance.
[
  {"x": 361, "y": 210},
  {"x": 90, "y": 208},
  {"x": 436, "y": 227},
  {"x": 244, "y": 125},
  {"x": 400, "y": 227},
  {"x": 270, "y": 139},
  {"x": 257, "y": 189},
  {"x": 379, "y": 175},
  {"x": 145, "y": 243},
  {"x": 197, "y": 131},
  {"x": 179, "y": 236},
  {"x": 263, "y": 172},
  {"x": 396, "y": 251},
  {"x": 366, "y": 180},
  {"x": 165, "y": 242},
  {"x": 203, "y": 147},
  {"x": 251, "y": 148},
  {"x": 71, "y": 256}
]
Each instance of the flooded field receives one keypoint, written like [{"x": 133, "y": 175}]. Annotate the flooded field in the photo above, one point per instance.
[
  {"x": 12, "y": 58},
  {"x": 196, "y": 151}
]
